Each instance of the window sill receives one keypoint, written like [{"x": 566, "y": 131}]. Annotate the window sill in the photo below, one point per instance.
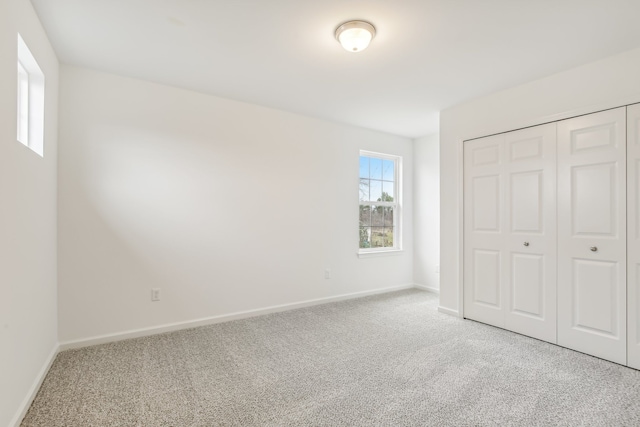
[{"x": 374, "y": 254}]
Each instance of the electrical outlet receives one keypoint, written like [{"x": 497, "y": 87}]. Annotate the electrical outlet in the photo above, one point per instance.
[
  {"x": 155, "y": 294},
  {"x": 327, "y": 273},
  {"x": 438, "y": 268}
]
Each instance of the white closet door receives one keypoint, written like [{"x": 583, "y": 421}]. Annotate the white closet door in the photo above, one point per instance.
[
  {"x": 592, "y": 234},
  {"x": 484, "y": 225},
  {"x": 530, "y": 202},
  {"x": 510, "y": 231},
  {"x": 633, "y": 235}
]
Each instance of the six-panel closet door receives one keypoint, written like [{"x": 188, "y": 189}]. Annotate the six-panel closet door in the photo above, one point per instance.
[
  {"x": 484, "y": 225},
  {"x": 515, "y": 240},
  {"x": 633, "y": 235},
  {"x": 510, "y": 231},
  {"x": 592, "y": 234}
]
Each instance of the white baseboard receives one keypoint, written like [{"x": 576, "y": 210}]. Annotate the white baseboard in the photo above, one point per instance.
[
  {"x": 449, "y": 311},
  {"x": 427, "y": 288},
  {"x": 136, "y": 333},
  {"x": 26, "y": 403}
]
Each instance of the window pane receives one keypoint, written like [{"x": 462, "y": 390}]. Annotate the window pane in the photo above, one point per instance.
[
  {"x": 388, "y": 237},
  {"x": 23, "y": 105},
  {"x": 364, "y": 190},
  {"x": 375, "y": 191},
  {"x": 365, "y": 215},
  {"x": 388, "y": 217},
  {"x": 378, "y": 185},
  {"x": 365, "y": 237},
  {"x": 388, "y": 191},
  {"x": 364, "y": 167},
  {"x": 388, "y": 170},
  {"x": 377, "y": 216},
  {"x": 375, "y": 168},
  {"x": 377, "y": 237}
]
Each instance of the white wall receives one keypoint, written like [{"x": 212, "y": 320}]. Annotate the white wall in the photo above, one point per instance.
[
  {"x": 426, "y": 211},
  {"x": 607, "y": 83},
  {"x": 28, "y": 307},
  {"x": 225, "y": 206}
]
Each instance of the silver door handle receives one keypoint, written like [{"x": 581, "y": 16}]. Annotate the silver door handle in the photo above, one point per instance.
[
  {"x": 526, "y": 243},
  {"x": 594, "y": 249}
]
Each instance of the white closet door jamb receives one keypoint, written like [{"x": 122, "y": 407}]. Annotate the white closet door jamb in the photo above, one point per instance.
[{"x": 633, "y": 235}]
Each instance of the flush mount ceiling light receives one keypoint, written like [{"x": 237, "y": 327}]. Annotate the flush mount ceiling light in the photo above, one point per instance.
[{"x": 355, "y": 36}]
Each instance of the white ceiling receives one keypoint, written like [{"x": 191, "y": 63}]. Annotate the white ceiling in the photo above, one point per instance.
[{"x": 428, "y": 54}]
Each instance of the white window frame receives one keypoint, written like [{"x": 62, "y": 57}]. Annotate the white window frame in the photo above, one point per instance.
[
  {"x": 30, "y": 100},
  {"x": 396, "y": 204}
]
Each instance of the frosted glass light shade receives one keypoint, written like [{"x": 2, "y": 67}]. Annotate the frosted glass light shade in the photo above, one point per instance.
[{"x": 355, "y": 36}]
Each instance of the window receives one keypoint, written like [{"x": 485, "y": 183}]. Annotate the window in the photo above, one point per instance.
[
  {"x": 30, "y": 126},
  {"x": 379, "y": 202}
]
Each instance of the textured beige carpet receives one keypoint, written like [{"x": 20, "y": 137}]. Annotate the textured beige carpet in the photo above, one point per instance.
[{"x": 389, "y": 360}]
